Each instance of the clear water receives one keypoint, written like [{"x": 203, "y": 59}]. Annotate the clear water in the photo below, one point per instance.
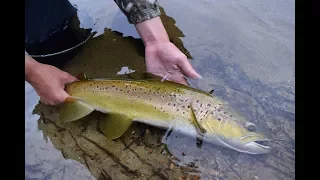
[{"x": 245, "y": 52}]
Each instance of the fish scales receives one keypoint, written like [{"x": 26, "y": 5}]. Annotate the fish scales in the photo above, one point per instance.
[
  {"x": 162, "y": 104},
  {"x": 162, "y": 98}
]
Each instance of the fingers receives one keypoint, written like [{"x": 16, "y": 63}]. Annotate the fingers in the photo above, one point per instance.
[
  {"x": 56, "y": 99},
  {"x": 179, "y": 79},
  {"x": 187, "y": 69},
  {"x": 69, "y": 78}
]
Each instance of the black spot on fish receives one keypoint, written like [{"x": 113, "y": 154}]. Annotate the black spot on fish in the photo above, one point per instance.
[
  {"x": 219, "y": 110},
  {"x": 177, "y": 109},
  {"x": 138, "y": 96},
  {"x": 183, "y": 112},
  {"x": 200, "y": 105},
  {"x": 197, "y": 101},
  {"x": 174, "y": 105},
  {"x": 128, "y": 91},
  {"x": 201, "y": 111},
  {"x": 183, "y": 106},
  {"x": 208, "y": 105},
  {"x": 231, "y": 116},
  {"x": 116, "y": 88},
  {"x": 207, "y": 112},
  {"x": 219, "y": 119},
  {"x": 188, "y": 106},
  {"x": 169, "y": 104},
  {"x": 112, "y": 85},
  {"x": 97, "y": 86},
  {"x": 150, "y": 99},
  {"x": 224, "y": 112},
  {"x": 126, "y": 86}
]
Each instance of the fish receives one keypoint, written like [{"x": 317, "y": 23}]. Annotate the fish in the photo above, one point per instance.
[{"x": 162, "y": 104}]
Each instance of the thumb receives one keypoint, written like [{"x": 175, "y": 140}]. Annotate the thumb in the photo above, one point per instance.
[
  {"x": 63, "y": 95},
  {"x": 69, "y": 78},
  {"x": 188, "y": 70}
]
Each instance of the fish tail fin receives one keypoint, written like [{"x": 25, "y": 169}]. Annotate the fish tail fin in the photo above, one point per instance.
[
  {"x": 73, "y": 110},
  {"x": 114, "y": 125}
]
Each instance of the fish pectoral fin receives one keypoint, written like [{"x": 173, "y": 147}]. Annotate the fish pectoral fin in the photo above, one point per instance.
[
  {"x": 199, "y": 128},
  {"x": 73, "y": 110},
  {"x": 211, "y": 91},
  {"x": 115, "y": 125}
]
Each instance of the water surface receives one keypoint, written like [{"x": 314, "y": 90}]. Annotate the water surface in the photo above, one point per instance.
[{"x": 243, "y": 49}]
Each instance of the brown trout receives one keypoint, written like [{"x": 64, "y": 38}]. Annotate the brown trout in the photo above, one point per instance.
[{"x": 165, "y": 105}]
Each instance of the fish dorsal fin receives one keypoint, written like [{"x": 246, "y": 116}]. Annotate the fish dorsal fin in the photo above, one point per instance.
[
  {"x": 141, "y": 76},
  {"x": 114, "y": 125},
  {"x": 82, "y": 76},
  {"x": 73, "y": 110},
  {"x": 147, "y": 75}
]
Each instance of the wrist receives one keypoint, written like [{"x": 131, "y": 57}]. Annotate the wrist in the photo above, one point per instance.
[
  {"x": 152, "y": 31},
  {"x": 30, "y": 68}
]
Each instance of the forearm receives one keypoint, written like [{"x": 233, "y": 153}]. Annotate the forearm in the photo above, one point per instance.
[
  {"x": 139, "y": 10},
  {"x": 152, "y": 31},
  {"x": 30, "y": 66}
]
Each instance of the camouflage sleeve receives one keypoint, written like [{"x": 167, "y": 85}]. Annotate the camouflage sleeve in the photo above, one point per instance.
[{"x": 139, "y": 10}]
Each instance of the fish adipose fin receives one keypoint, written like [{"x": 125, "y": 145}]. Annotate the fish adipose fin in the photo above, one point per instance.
[
  {"x": 73, "y": 110},
  {"x": 114, "y": 125}
]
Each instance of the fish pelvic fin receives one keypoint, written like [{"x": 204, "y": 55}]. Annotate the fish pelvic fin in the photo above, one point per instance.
[
  {"x": 114, "y": 125},
  {"x": 73, "y": 110}
]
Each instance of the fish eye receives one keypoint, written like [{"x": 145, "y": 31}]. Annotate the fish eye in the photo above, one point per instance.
[{"x": 250, "y": 127}]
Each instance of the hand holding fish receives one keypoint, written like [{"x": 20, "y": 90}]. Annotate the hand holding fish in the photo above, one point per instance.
[
  {"x": 163, "y": 57},
  {"x": 48, "y": 81}
]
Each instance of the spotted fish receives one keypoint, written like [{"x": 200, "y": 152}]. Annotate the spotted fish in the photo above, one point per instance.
[{"x": 163, "y": 104}]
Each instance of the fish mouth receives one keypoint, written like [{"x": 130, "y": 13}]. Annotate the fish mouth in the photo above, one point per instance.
[
  {"x": 259, "y": 146},
  {"x": 262, "y": 143}
]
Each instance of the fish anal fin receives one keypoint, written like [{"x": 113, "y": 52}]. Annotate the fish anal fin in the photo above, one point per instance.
[
  {"x": 114, "y": 125},
  {"x": 73, "y": 110}
]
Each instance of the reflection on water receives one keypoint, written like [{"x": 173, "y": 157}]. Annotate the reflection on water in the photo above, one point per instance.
[{"x": 236, "y": 64}]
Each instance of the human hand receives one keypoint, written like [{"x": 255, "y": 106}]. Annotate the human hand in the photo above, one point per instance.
[
  {"x": 166, "y": 60},
  {"x": 48, "y": 81}
]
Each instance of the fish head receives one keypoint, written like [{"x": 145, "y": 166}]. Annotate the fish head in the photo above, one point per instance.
[{"x": 236, "y": 133}]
